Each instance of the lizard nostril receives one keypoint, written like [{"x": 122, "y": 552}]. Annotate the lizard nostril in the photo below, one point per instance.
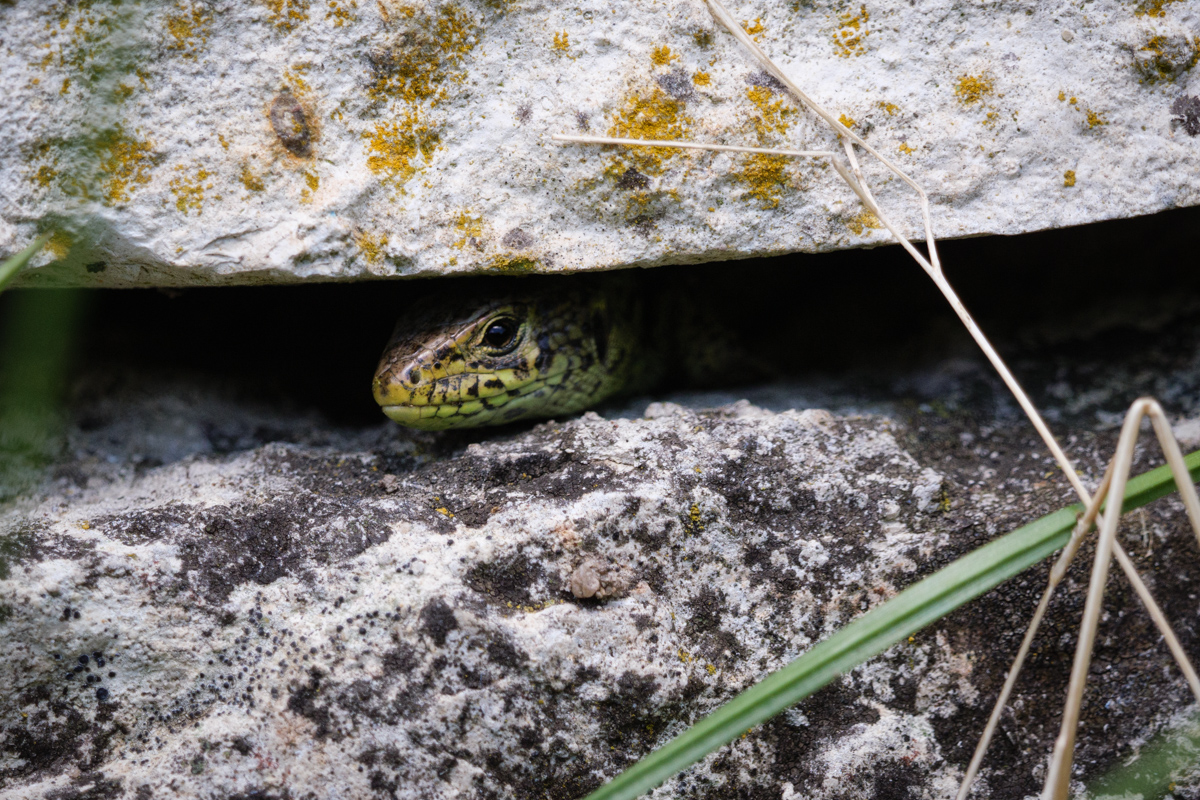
[{"x": 413, "y": 375}]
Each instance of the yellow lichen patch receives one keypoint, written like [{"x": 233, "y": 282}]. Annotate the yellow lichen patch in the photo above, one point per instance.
[
  {"x": 903, "y": 147},
  {"x": 662, "y": 56},
  {"x": 863, "y": 222},
  {"x": 469, "y": 225},
  {"x": 286, "y": 15},
  {"x": 1165, "y": 58},
  {"x": 311, "y": 182},
  {"x": 60, "y": 244},
  {"x": 701, "y": 79},
  {"x": 372, "y": 246},
  {"x": 847, "y": 121},
  {"x": 251, "y": 181},
  {"x": 1069, "y": 178},
  {"x": 221, "y": 140},
  {"x": 1094, "y": 119},
  {"x": 991, "y": 119},
  {"x": 773, "y": 113},
  {"x": 45, "y": 176},
  {"x": 753, "y": 28},
  {"x": 766, "y": 177},
  {"x": 1062, "y": 96},
  {"x": 973, "y": 88},
  {"x": 852, "y": 29},
  {"x": 341, "y": 12},
  {"x": 293, "y": 78},
  {"x": 189, "y": 189},
  {"x": 393, "y": 146},
  {"x": 1152, "y": 8},
  {"x": 656, "y": 115},
  {"x": 125, "y": 163},
  {"x": 562, "y": 42},
  {"x": 513, "y": 265},
  {"x": 890, "y": 108},
  {"x": 415, "y": 69},
  {"x": 189, "y": 28}
]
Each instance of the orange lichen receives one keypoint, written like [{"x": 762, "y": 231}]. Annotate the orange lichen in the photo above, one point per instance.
[
  {"x": 341, "y": 13},
  {"x": 415, "y": 72},
  {"x": 189, "y": 189},
  {"x": 287, "y": 15},
  {"x": 513, "y": 265},
  {"x": 656, "y": 115},
  {"x": 125, "y": 163},
  {"x": 312, "y": 182},
  {"x": 863, "y": 222},
  {"x": 662, "y": 56},
  {"x": 45, "y": 176},
  {"x": 189, "y": 29},
  {"x": 755, "y": 28},
  {"x": 890, "y": 108},
  {"x": 847, "y": 121},
  {"x": 1152, "y": 8},
  {"x": 1165, "y": 58},
  {"x": 432, "y": 52},
  {"x": 973, "y": 88},
  {"x": 1094, "y": 118},
  {"x": 766, "y": 177},
  {"x": 773, "y": 113},
  {"x": 848, "y": 38},
  {"x": 251, "y": 181},
  {"x": 372, "y": 247},
  {"x": 1069, "y": 178},
  {"x": 562, "y": 42},
  {"x": 701, "y": 79},
  {"x": 903, "y": 147},
  {"x": 393, "y": 146},
  {"x": 470, "y": 226}
]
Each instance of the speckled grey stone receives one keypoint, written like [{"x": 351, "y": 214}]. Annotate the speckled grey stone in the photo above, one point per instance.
[
  {"x": 353, "y": 615},
  {"x": 209, "y": 142}
]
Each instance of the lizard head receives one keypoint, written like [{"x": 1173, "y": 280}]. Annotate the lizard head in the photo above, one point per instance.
[{"x": 495, "y": 359}]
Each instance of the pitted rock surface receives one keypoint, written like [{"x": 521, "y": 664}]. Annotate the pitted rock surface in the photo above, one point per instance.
[
  {"x": 205, "y": 142},
  {"x": 361, "y": 617}
]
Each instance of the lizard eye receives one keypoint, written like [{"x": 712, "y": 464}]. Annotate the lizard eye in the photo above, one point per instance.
[{"x": 500, "y": 334}]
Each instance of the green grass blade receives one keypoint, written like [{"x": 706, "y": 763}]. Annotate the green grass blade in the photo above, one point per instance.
[
  {"x": 10, "y": 268},
  {"x": 917, "y": 606}
]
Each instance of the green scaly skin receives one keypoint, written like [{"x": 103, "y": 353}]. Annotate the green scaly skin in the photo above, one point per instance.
[{"x": 575, "y": 343}]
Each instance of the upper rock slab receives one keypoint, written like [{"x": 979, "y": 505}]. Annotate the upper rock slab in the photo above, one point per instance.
[{"x": 272, "y": 141}]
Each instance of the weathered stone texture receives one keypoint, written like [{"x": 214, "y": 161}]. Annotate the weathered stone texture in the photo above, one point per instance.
[
  {"x": 297, "y": 620},
  {"x": 198, "y": 142}
]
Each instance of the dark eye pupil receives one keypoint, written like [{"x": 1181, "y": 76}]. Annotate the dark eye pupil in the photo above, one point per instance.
[{"x": 500, "y": 333}]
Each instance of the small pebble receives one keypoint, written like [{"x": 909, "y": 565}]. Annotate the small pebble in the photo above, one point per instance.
[{"x": 1067, "y": 36}]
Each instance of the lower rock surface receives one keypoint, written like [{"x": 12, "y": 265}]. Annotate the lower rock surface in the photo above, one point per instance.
[{"x": 211, "y": 599}]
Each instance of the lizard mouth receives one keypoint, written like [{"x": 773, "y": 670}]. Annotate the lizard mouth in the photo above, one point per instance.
[{"x": 499, "y": 408}]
